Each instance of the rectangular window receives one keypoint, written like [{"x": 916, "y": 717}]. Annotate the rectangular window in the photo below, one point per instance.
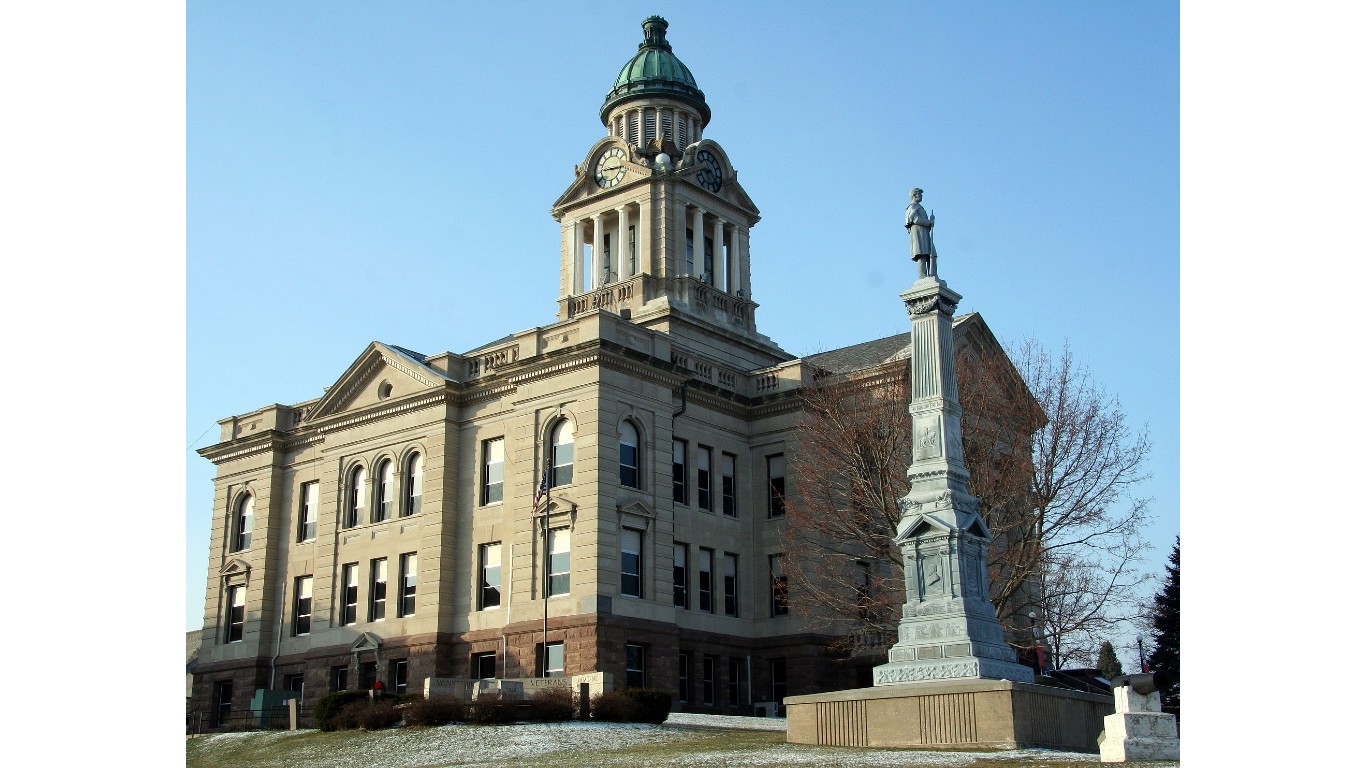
[
  {"x": 607, "y": 275},
  {"x": 688, "y": 258},
  {"x": 680, "y": 472},
  {"x": 777, "y": 579},
  {"x": 407, "y": 601},
  {"x": 707, "y": 260},
  {"x": 734, "y": 670},
  {"x": 708, "y": 679},
  {"x": 731, "y": 591},
  {"x": 680, "y": 574},
  {"x": 704, "y": 580},
  {"x": 484, "y": 665},
  {"x": 630, "y": 562},
  {"x": 295, "y": 683},
  {"x": 414, "y": 483},
  {"x": 777, "y": 676},
  {"x": 303, "y": 604},
  {"x": 491, "y": 579},
  {"x": 684, "y": 681},
  {"x": 398, "y": 675},
  {"x": 237, "y": 612},
  {"x": 558, "y": 566},
  {"x": 379, "y": 587},
  {"x": 552, "y": 660},
  {"x": 222, "y": 702},
  {"x": 703, "y": 477},
  {"x": 308, "y": 511},
  {"x": 635, "y": 666},
  {"x": 493, "y": 471},
  {"x": 338, "y": 678},
  {"x": 863, "y": 588},
  {"x": 728, "y": 484},
  {"x": 350, "y": 591},
  {"x": 777, "y": 485}
]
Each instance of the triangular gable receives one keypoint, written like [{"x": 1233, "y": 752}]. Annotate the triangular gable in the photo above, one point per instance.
[
  {"x": 636, "y": 513},
  {"x": 368, "y": 641},
  {"x": 234, "y": 567},
  {"x": 559, "y": 504},
  {"x": 360, "y": 384},
  {"x": 584, "y": 186}
]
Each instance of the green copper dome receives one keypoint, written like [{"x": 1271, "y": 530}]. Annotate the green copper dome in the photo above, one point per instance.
[{"x": 655, "y": 72}]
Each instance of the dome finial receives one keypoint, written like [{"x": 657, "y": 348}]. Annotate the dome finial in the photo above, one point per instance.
[{"x": 654, "y": 33}]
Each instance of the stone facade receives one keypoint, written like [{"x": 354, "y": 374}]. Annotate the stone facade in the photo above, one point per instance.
[{"x": 360, "y": 528}]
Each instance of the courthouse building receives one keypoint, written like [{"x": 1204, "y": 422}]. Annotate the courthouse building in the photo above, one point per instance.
[{"x": 385, "y": 530}]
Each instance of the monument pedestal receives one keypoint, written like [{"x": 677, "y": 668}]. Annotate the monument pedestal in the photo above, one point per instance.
[
  {"x": 1138, "y": 730},
  {"x": 953, "y": 714}
]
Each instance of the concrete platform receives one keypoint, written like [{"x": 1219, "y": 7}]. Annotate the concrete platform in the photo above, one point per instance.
[{"x": 982, "y": 714}]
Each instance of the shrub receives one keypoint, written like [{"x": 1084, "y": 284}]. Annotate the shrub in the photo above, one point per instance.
[
  {"x": 652, "y": 704},
  {"x": 552, "y": 704},
  {"x": 373, "y": 715},
  {"x": 328, "y": 707},
  {"x": 437, "y": 710},
  {"x": 614, "y": 707},
  {"x": 492, "y": 708}
]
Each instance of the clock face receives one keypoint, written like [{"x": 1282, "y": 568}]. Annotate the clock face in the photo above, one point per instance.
[
  {"x": 709, "y": 171},
  {"x": 611, "y": 168}
]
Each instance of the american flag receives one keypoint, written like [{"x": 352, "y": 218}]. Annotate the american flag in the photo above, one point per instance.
[{"x": 541, "y": 491}]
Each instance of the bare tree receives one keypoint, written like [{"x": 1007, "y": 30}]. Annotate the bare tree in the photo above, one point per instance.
[
  {"x": 845, "y": 574},
  {"x": 1050, "y": 455}
]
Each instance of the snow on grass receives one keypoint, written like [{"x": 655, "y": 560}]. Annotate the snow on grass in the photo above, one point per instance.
[
  {"x": 727, "y": 721},
  {"x": 685, "y": 741}
]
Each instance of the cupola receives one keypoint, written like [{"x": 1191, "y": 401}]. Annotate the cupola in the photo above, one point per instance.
[{"x": 655, "y": 95}]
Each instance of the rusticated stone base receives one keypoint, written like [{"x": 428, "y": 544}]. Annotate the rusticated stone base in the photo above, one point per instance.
[{"x": 992, "y": 714}]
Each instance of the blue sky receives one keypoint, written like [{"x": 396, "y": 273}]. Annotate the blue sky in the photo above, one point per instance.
[{"x": 360, "y": 172}]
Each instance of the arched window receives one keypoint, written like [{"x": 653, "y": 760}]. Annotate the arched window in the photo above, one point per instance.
[
  {"x": 355, "y": 497},
  {"x": 630, "y": 456},
  {"x": 412, "y": 478},
  {"x": 384, "y": 509},
  {"x": 241, "y": 523},
  {"x": 562, "y": 455}
]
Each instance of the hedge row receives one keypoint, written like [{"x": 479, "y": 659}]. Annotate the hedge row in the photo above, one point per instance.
[{"x": 344, "y": 710}]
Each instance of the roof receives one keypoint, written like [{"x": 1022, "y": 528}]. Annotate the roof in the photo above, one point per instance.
[
  {"x": 655, "y": 71},
  {"x": 870, "y": 353}
]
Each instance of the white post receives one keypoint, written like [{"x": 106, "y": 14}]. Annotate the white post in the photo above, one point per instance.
[
  {"x": 733, "y": 260},
  {"x": 623, "y": 229},
  {"x": 576, "y": 257},
  {"x": 598, "y": 266}
]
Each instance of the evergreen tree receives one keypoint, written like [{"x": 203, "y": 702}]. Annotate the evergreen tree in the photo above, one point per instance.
[
  {"x": 1107, "y": 662},
  {"x": 1166, "y": 655}
]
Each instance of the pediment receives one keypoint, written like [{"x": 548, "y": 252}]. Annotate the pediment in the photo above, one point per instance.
[
  {"x": 584, "y": 184},
  {"x": 380, "y": 373},
  {"x": 368, "y": 641},
  {"x": 636, "y": 513},
  {"x": 559, "y": 504},
  {"x": 941, "y": 522},
  {"x": 234, "y": 567},
  {"x": 731, "y": 190}
]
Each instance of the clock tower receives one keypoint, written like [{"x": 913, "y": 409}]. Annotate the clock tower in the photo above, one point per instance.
[{"x": 655, "y": 226}]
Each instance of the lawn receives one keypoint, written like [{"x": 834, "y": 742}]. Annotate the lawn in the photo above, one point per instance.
[{"x": 578, "y": 745}]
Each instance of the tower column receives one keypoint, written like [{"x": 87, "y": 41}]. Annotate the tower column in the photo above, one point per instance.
[
  {"x": 576, "y": 257},
  {"x": 623, "y": 265},
  {"x": 599, "y": 266},
  {"x": 697, "y": 240}
]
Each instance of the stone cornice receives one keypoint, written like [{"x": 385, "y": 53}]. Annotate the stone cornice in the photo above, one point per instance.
[{"x": 241, "y": 448}]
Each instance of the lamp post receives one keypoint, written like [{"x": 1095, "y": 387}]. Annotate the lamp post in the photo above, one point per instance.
[{"x": 1038, "y": 642}]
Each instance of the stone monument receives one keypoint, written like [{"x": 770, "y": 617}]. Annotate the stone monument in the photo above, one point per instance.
[
  {"x": 1138, "y": 730},
  {"x": 948, "y": 627},
  {"x": 950, "y": 680}
]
